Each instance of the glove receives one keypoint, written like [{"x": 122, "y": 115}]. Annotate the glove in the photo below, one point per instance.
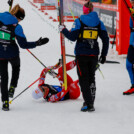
[
  {"x": 102, "y": 59},
  {"x": 42, "y": 41},
  {"x": 9, "y": 2},
  {"x": 60, "y": 62},
  {"x": 61, "y": 27}
]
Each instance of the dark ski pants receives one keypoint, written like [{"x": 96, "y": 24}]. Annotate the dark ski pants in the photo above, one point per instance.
[
  {"x": 86, "y": 67},
  {"x": 130, "y": 63},
  {"x": 130, "y": 69},
  {"x": 15, "y": 63}
]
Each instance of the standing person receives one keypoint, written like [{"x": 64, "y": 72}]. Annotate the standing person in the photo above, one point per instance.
[
  {"x": 86, "y": 30},
  {"x": 53, "y": 93},
  {"x": 10, "y": 31},
  {"x": 130, "y": 55}
]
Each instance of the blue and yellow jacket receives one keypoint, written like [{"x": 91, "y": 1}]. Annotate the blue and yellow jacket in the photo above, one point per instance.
[
  {"x": 82, "y": 47},
  {"x": 130, "y": 55},
  {"x": 132, "y": 33},
  {"x": 11, "y": 51}
]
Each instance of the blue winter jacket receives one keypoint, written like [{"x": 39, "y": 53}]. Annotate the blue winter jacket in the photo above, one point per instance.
[
  {"x": 82, "y": 48},
  {"x": 12, "y": 51},
  {"x": 130, "y": 54},
  {"x": 131, "y": 42}
]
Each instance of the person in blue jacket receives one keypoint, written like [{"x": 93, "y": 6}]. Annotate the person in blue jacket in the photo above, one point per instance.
[
  {"x": 130, "y": 55},
  {"x": 10, "y": 31},
  {"x": 85, "y": 32}
]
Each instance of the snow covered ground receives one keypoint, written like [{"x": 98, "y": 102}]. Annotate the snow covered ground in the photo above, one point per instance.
[{"x": 114, "y": 112}]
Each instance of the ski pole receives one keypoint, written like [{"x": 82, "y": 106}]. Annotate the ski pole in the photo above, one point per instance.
[
  {"x": 71, "y": 12},
  {"x": 97, "y": 66},
  {"x": 39, "y": 61},
  {"x": 69, "y": 55},
  {"x": 107, "y": 61},
  {"x": 10, "y": 2},
  {"x": 126, "y": 4},
  {"x": 35, "y": 57},
  {"x": 114, "y": 40},
  {"x": 49, "y": 71},
  {"x": 24, "y": 90},
  {"x": 28, "y": 87},
  {"x": 129, "y": 8}
]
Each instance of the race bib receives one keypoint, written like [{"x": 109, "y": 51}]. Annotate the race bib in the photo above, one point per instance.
[
  {"x": 90, "y": 34},
  {"x": 5, "y": 36}
]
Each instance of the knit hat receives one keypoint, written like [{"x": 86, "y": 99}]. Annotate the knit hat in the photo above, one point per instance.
[
  {"x": 87, "y": 8},
  {"x": 18, "y": 12}
]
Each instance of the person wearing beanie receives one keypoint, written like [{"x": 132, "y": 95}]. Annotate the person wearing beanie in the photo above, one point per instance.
[
  {"x": 10, "y": 31},
  {"x": 85, "y": 31}
]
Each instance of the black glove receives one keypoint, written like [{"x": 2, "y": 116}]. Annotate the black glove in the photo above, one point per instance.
[
  {"x": 9, "y": 2},
  {"x": 102, "y": 59},
  {"x": 42, "y": 41},
  {"x": 60, "y": 62}
]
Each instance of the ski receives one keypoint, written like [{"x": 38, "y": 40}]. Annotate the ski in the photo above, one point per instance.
[
  {"x": 112, "y": 62},
  {"x": 107, "y": 61},
  {"x": 62, "y": 39}
]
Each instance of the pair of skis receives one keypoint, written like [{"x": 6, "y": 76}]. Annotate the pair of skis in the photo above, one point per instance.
[{"x": 63, "y": 54}]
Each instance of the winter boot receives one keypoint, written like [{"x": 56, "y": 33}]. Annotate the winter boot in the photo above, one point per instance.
[
  {"x": 86, "y": 108},
  {"x": 5, "y": 106},
  {"x": 11, "y": 91},
  {"x": 130, "y": 91}
]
